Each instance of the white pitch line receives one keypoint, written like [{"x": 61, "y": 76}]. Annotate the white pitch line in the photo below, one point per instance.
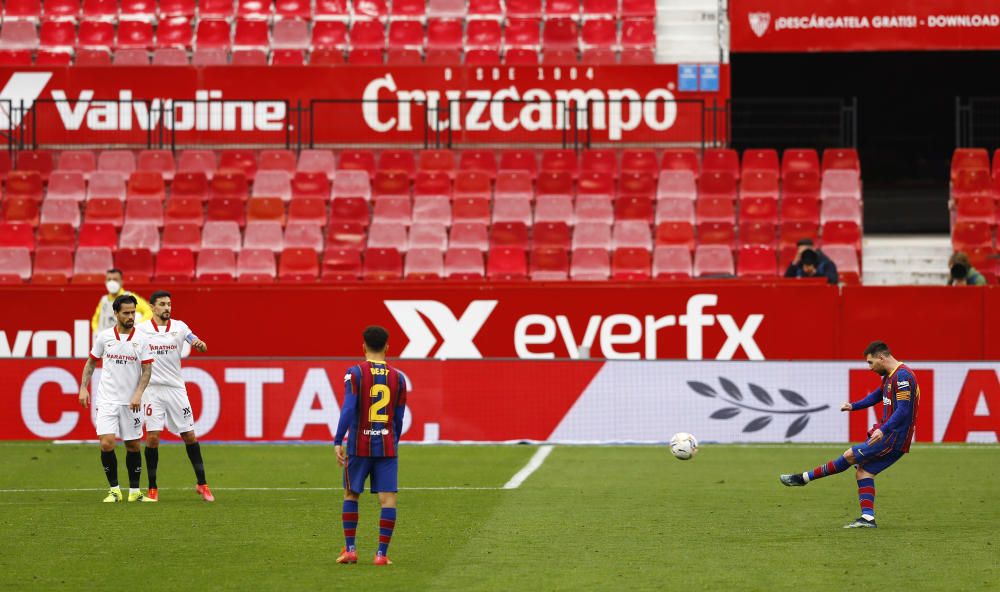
[
  {"x": 532, "y": 466},
  {"x": 69, "y": 489}
]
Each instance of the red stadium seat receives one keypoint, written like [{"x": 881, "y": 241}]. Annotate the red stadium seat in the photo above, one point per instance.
[
  {"x": 507, "y": 263},
  {"x": 331, "y": 10},
  {"x": 366, "y": 57},
  {"x": 136, "y": 264},
  {"x": 483, "y": 34},
  {"x": 140, "y": 235},
  {"x": 638, "y": 33},
  {"x": 20, "y": 211},
  {"x": 713, "y": 260},
  {"x": 367, "y": 35},
  {"x": 757, "y": 261},
  {"x": 509, "y": 234},
  {"x": 841, "y": 159},
  {"x": 198, "y": 161},
  {"x": 592, "y": 235},
  {"x": 350, "y": 209},
  {"x": 841, "y": 208},
  {"x": 638, "y": 8},
  {"x": 256, "y": 265},
  {"x": 393, "y": 210},
  {"x": 512, "y": 209},
  {"x": 345, "y": 235},
  {"x": 469, "y": 235},
  {"x": 57, "y": 35},
  {"x": 975, "y": 209},
  {"x": 590, "y": 265},
  {"x": 472, "y": 184},
  {"x": 23, "y": 235},
  {"x": 973, "y": 182},
  {"x": 671, "y": 262},
  {"x": 300, "y": 235},
  {"x": 96, "y": 35},
  {"x": 842, "y": 233},
  {"x": 387, "y": 236},
  {"x": 221, "y": 234},
  {"x": 341, "y": 264},
  {"x": 309, "y": 210},
  {"x": 800, "y": 184},
  {"x": 717, "y": 185},
  {"x": 383, "y": 264},
  {"x": 599, "y": 33},
  {"x": 424, "y": 264},
  {"x": 561, "y": 33},
  {"x": 298, "y": 265},
  {"x": 761, "y": 160},
  {"x": 55, "y": 262},
  {"x": 266, "y": 209},
  {"x": 463, "y": 263},
  {"x": 634, "y": 208},
  {"x": 591, "y": 209},
  {"x": 714, "y": 209},
  {"x": 631, "y": 234},
  {"x": 15, "y": 265},
  {"x": 428, "y": 235},
  {"x": 105, "y": 211},
  {"x": 675, "y": 234},
  {"x": 217, "y": 265},
  {"x": 184, "y": 210},
  {"x": 717, "y": 233},
  {"x": 390, "y": 183},
  {"x": 758, "y": 233},
  {"x": 329, "y": 35},
  {"x": 145, "y": 185},
  {"x": 357, "y": 160},
  {"x": 969, "y": 159},
  {"x": 174, "y": 32},
  {"x": 684, "y": 159},
  {"x": 403, "y": 57},
  {"x": 24, "y": 185},
  {"x": 212, "y": 33},
  {"x": 91, "y": 235},
  {"x": 174, "y": 265},
  {"x": 519, "y": 160},
  {"x": 549, "y": 264},
  {"x": 144, "y": 210},
  {"x": 244, "y": 161},
  {"x": 319, "y": 161},
  {"x": 181, "y": 236},
  {"x": 551, "y": 234},
  {"x": 481, "y": 161},
  {"x": 60, "y": 211},
  {"x": 800, "y": 209},
  {"x": 273, "y": 184},
  {"x": 28, "y": 10},
  {"x": 759, "y": 209},
  {"x": 846, "y": 260},
  {"x": 446, "y": 34},
  {"x": 486, "y": 9},
  {"x": 406, "y": 34},
  {"x": 352, "y": 184},
  {"x": 642, "y": 161},
  {"x": 549, "y": 183},
  {"x": 40, "y": 161},
  {"x": 226, "y": 209},
  {"x": 135, "y": 35},
  {"x": 600, "y": 161},
  {"x": 67, "y": 185},
  {"x": 723, "y": 160},
  {"x": 594, "y": 184},
  {"x": 472, "y": 209},
  {"x": 433, "y": 184},
  {"x": 795, "y": 160},
  {"x": 676, "y": 185},
  {"x": 630, "y": 264},
  {"x": 636, "y": 184},
  {"x": 792, "y": 232},
  {"x": 64, "y": 235},
  {"x": 966, "y": 236},
  {"x": 91, "y": 264},
  {"x": 759, "y": 183}
]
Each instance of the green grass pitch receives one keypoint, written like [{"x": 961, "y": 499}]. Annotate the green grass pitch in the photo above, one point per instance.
[{"x": 591, "y": 518}]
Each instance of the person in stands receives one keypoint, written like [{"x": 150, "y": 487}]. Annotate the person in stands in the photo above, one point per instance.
[{"x": 811, "y": 262}]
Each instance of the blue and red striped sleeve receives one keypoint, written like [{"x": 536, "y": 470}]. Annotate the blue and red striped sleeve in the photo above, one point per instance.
[{"x": 350, "y": 408}]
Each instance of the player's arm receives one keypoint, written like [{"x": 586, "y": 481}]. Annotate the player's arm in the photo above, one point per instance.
[
  {"x": 147, "y": 372},
  {"x": 870, "y": 399},
  {"x": 88, "y": 371},
  {"x": 347, "y": 413},
  {"x": 397, "y": 417},
  {"x": 194, "y": 341}
]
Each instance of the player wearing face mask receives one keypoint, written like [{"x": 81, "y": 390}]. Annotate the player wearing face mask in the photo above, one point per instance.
[{"x": 104, "y": 316}]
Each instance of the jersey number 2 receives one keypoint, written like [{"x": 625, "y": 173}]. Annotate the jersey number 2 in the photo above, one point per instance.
[{"x": 380, "y": 400}]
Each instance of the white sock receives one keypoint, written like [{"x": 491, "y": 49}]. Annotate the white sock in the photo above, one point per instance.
[
  {"x": 806, "y": 476},
  {"x": 117, "y": 488},
  {"x": 131, "y": 491}
]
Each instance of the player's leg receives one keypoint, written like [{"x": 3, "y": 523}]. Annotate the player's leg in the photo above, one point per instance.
[
  {"x": 107, "y": 431},
  {"x": 152, "y": 454},
  {"x": 866, "y": 471},
  {"x": 130, "y": 423},
  {"x": 356, "y": 470},
  {"x": 837, "y": 465},
  {"x": 180, "y": 420},
  {"x": 384, "y": 481}
]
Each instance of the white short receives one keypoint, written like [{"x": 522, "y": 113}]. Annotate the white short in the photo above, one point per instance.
[
  {"x": 164, "y": 405},
  {"x": 119, "y": 420}
]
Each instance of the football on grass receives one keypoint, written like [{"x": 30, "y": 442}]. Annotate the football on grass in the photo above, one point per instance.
[{"x": 683, "y": 445}]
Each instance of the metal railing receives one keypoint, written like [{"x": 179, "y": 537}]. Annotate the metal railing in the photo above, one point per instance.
[
  {"x": 792, "y": 122},
  {"x": 977, "y": 122}
]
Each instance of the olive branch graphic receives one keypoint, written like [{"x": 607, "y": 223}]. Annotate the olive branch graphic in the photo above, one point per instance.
[{"x": 736, "y": 399}]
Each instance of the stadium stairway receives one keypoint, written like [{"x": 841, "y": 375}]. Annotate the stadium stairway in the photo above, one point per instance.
[
  {"x": 691, "y": 31},
  {"x": 905, "y": 260}
]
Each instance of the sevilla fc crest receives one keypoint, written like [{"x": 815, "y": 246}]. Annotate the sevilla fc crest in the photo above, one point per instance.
[{"x": 759, "y": 21}]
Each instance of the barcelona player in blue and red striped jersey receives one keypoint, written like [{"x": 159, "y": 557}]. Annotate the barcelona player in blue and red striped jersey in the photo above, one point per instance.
[
  {"x": 888, "y": 440},
  {"x": 374, "y": 402}
]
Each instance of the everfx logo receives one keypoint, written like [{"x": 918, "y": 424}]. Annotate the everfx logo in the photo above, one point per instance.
[
  {"x": 457, "y": 334},
  {"x": 759, "y": 22}
]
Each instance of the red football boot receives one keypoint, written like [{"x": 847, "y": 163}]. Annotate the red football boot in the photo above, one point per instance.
[
  {"x": 205, "y": 493},
  {"x": 347, "y": 556},
  {"x": 381, "y": 560},
  {"x": 153, "y": 494}
]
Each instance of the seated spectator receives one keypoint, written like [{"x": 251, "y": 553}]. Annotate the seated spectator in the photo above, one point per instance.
[
  {"x": 811, "y": 262},
  {"x": 963, "y": 273}
]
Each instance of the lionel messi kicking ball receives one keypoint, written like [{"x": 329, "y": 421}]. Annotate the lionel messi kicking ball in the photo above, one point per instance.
[{"x": 683, "y": 446}]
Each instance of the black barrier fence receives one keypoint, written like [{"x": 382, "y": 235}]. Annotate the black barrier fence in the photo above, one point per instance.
[
  {"x": 977, "y": 122},
  {"x": 575, "y": 122}
]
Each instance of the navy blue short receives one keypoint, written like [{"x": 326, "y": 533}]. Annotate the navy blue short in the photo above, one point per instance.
[
  {"x": 877, "y": 457},
  {"x": 382, "y": 470}
]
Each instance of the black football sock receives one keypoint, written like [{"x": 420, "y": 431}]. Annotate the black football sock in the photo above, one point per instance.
[
  {"x": 110, "y": 462},
  {"x": 133, "y": 462},
  {"x": 152, "y": 457},
  {"x": 194, "y": 453}
]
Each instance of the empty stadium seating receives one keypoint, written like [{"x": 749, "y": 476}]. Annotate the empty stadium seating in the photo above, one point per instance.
[
  {"x": 975, "y": 209},
  {"x": 512, "y": 214},
  {"x": 327, "y": 32}
]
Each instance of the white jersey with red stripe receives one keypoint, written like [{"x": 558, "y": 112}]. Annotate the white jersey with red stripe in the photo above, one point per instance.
[
  {"x": 122, "y": 356},
  {"x": 165, "y": 343}
]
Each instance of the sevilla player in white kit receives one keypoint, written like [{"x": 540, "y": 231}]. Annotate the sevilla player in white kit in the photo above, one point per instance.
[
  {"x": 126, "y": 369},
  {"x": 166, "y": 401}
]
